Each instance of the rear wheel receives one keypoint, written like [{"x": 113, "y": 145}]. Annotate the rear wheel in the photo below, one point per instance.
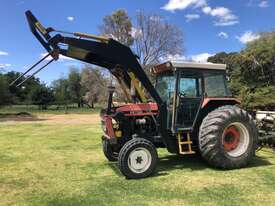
[
  {"x": 137, "y": 158},
  {"x": 109, "y": 151},
  {"x": 228, "y": 137}
]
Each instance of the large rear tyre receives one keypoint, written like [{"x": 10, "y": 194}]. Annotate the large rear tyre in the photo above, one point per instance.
[
  {"x": 137, "y": 158},
  {"x": 109, "y": 151},
  {"x": 228, "y": 138}
]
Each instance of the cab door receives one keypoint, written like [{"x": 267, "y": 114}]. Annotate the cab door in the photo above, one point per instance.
[{"x": 188, "y": 100}]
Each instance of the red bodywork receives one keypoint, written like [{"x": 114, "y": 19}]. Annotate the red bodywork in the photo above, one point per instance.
[
  {"x": 207, "y": 100},
  {"x": 146, "y": 109},
  {"x": 139, "y": 109}
]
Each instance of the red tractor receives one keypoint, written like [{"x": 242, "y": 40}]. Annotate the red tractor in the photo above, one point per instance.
[{"x": 190, "y": 111}]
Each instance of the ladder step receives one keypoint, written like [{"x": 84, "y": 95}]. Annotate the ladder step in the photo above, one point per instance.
[
  {"x": 187, "y": 143},
  {"x": 188, "y": 152}
]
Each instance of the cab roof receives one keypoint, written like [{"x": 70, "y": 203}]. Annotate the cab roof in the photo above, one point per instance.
[{"x": 172, "y": 65}]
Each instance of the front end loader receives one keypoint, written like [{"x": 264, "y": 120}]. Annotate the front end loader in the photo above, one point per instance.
[{"x": 190, "y": 111}]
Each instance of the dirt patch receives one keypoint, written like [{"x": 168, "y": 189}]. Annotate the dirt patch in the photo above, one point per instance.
[{"x": 68, "y": 119}]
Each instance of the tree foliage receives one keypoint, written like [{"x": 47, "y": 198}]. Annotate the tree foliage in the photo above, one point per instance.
[
  {"x": 118, "y": 25},
  {"x": 42, "y": 96},
  {"x": 252, "y": 72},
  {"x": 61, "y": 91},
  {"x": 94, "y": 83},
  {"x": 5, "y": 95},
  {"x": 74, "y": 86}
]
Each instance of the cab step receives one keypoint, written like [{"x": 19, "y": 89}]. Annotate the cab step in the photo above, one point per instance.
[{"x": 185, "y": 143}]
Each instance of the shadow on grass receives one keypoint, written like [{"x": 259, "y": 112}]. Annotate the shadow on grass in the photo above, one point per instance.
[
  {"x": 195, "y": 162},
  {"x": 177, "y": 162},
  {"x": 170, "y": 163},
  {"x": 114, "y": 167},
  {"x": 259, "y": 162},
  {"x": 19, "y": 117},
  {"x": 192, "y": 162}
]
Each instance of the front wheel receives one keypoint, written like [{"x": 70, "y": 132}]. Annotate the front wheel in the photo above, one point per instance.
[
  {"x": 109, "y": 151},
  {"x": 137, "y": 158},
  {"x": 228, "y": 138}
]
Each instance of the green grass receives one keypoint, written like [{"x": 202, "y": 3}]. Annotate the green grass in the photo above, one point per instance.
[
  {"x": 60, "y": 164},
  {"x": 33, "y": 109}
]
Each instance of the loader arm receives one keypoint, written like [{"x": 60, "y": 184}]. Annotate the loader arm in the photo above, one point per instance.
[
  {"x": 103, "y": 52},
  {"x": 97, "y": 50}
]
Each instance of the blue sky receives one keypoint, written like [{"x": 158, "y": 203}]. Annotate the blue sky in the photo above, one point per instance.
[{"x": 209, "y": 26}]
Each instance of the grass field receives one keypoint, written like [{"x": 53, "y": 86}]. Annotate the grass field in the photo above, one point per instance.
[{"x": 57, "y": 160}]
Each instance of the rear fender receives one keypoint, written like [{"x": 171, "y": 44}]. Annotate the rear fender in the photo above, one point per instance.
[{"x": 218, "y": 102}]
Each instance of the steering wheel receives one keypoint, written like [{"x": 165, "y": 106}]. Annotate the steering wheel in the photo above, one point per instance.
[{"x": 182, "y": 94}]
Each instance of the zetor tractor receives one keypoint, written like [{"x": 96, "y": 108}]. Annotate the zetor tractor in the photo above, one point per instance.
[{"x": 191, "y": 111}]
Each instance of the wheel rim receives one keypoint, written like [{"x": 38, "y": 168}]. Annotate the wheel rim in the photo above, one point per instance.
[
  {"x": 235, "y": 139},
  {"x": 139, "y": 160}
]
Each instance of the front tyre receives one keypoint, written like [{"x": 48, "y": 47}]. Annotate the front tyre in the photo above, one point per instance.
[
  {"x": 137, "y": 158},
  {"x": 109, "y": 151},
  {"x": 228, "y": 138}
]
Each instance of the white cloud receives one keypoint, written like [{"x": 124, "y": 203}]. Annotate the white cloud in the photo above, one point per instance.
[
  {"x": 224, "y": 15},
  {"x": 263, "y": 4},
  {"x": 4, "y": 65},
  {"x": 226, "y": 23},
  {"x": 3, "y": 53},
  {"x": 202, "y": 58},
  {"x": 191, "y": 17},
  {"x": 223, "y": 35},
  {"x": 176, "y": 57},
  {"x": 61, "y": 57},
  {"x": 248, "y": 36},
  {"x": 206, "y": 10},
  {"x": 173, "y": 5},
  {"x": 70, "y": 18}
]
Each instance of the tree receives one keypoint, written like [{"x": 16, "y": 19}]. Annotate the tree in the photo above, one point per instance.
[
  {"x": 21, "y": 94},
  {"x": 95, "y": 84},
  {"x": 61, "y": 91},
  {"x": 74, "y": 86},
  {"x": 42, "y": 96},
  {"x": 5, "y": 95},
  {"x": 155, "y": 38},
  {"x": 118, "y": 26},
  {"x": 252, "y": 72},
  {"x": 262, "y": 53}
]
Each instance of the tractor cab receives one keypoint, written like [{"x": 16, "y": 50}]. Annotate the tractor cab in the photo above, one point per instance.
[{"x": 185, "y": 85}]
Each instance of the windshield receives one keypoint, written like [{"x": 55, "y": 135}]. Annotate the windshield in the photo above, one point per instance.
[
  {"x": 192, "y": 84},
  {"x": 215, "y": 85},
  {"x": 165, "y": 85}
]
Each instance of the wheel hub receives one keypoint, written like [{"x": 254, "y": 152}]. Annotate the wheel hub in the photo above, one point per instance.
[
  {"x": 231, "y": 138},
  {"x": 235, "y": 139},
  {"x": 139, "y": 160}
]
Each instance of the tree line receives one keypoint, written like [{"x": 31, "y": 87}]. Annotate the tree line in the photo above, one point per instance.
[{"x": 82, "y": 86}]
